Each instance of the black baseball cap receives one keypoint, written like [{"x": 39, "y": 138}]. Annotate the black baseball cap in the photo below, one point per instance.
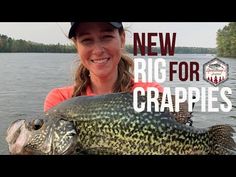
[{"x": 117, "y": 25}]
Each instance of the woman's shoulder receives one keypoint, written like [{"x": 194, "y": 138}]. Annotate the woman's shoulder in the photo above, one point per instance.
[
  {"x": 62, "y": 90},
  {"x": 69, "y": 88},
  {"x": 57, "y": 95}
]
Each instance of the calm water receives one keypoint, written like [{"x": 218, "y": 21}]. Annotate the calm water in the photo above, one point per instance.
[{"x": 25, "y": 80}]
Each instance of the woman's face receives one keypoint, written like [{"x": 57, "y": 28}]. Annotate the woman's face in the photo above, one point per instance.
[{"x": 99, "y": 46}]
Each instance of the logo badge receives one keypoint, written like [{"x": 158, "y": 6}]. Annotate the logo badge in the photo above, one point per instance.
[{"x": 215, "y": 71}]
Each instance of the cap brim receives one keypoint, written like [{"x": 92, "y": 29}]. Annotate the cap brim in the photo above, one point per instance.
[{"x": 117, "y": 25}]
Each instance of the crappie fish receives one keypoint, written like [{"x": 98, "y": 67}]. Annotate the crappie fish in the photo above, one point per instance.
[{"x": 108, "y": 124}]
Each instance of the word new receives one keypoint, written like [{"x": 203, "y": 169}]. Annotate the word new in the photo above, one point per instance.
[{"x": 146, "y": 43}]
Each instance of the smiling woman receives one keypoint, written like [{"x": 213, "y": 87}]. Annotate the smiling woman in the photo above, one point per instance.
[
  {"x": 99, "y": 46},
  {"x": 104, "y": 66}
]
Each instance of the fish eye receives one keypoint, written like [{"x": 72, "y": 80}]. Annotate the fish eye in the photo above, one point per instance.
[
  {"x": 37, "y": 124},
  {"x": 72, "y": 133}
]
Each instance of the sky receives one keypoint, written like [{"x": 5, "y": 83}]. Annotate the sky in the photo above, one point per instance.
[{"x": 188, "y": 34}]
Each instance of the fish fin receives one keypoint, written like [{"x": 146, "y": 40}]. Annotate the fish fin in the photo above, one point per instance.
[
  {"x": 193, "y": 104},
  {"x": 190, "y": 121},
  {"x": 221, "y": 140},
  {"x": 183, "y": 116}
]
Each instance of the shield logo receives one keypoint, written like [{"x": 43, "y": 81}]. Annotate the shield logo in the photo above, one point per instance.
[{"x": 215, "y": 71}]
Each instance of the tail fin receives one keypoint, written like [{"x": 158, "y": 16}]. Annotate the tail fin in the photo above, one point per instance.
[{"x": 221, "y": 139}]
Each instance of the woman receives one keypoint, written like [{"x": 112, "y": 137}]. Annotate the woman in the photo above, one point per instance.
[{"x": 104, "y": 68}]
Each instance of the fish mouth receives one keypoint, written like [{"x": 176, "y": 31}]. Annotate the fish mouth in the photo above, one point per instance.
[
  {"x": 17, "y": 137},
  {"x": 100, "y": 61},
  {"x": 41, "y": 137},
  {"x": 14, "y": 130}
]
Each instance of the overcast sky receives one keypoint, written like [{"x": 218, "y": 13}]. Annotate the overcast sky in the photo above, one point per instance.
[{"x": 188, "y": 34}]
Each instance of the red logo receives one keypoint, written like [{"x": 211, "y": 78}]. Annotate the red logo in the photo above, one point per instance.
[{"x": 215, "y": 71}]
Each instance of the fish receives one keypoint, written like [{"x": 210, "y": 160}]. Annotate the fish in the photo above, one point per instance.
[
  {"x": 215, "y": 66},
  {"x": 183, "y": 116},
  {"x": 108, "y": 124}
]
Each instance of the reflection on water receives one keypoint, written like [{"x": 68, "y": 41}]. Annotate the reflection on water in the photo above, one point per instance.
[{"x": 25, "y": 80}]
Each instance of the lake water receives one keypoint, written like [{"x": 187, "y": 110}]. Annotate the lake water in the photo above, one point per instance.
[{"x": 25, "y": 80}]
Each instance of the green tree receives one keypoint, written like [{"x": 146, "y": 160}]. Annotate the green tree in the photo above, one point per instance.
[
  {"x": 226, "y": 41},
  {"x": 8, "y": 44}
]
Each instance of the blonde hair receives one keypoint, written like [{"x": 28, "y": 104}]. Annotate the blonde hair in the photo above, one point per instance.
[{"x": 124, "y": 82}]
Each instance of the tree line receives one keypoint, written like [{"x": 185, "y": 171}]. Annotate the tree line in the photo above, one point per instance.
[
  {"x": 7, "y": 44},
  {"x": 180, "y": 50},
  {"x": 226, "y": 41}
]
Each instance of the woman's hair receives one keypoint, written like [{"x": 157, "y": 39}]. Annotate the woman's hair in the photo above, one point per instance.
[{"x": 124, "y": 82}]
